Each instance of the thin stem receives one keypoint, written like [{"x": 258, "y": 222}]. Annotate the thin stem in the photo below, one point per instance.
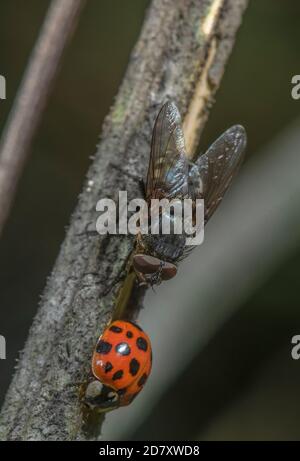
[{"x": 32, "y": 97}]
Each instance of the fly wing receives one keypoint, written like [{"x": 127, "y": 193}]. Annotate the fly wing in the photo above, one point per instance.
[
  {"x": 168, "y": 167},
  {"x": 217, "y": 168}
]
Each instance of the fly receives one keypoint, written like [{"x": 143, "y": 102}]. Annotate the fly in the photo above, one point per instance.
[{"x": 171, "y": 175}]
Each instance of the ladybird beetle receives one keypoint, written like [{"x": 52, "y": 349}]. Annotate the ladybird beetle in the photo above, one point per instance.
[{"x": 121, "y": 364}]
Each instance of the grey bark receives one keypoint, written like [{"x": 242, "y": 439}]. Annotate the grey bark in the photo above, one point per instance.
[{"x": 173, "y": 58}]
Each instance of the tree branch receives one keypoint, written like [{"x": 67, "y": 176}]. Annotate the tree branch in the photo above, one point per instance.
[
  {"x": 173, "y": 58},
  {"x": 32, "y": 97}
]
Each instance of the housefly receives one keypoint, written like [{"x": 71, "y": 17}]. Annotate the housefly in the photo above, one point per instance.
[{"x": 172, "y": 176}]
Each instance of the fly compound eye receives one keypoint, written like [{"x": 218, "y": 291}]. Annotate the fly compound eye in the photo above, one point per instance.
[
  {"x": 169, "y": 271},
  {"x": 146, "y": 264}
]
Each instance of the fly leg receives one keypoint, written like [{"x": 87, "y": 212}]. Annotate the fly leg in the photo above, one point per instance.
[
  {"x": 140, "y": 180},
  {"x": 156, "y": 277},
  {"x": 142, "y": 280}
]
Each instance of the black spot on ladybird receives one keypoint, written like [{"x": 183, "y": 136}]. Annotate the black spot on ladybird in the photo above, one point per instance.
[
  {"x": 142, "y": 380},
  {"x": 108, "y": 367},
  {"x": 103, "y": 347},
  {"x": 142, "y": 344},
  {"x": 117, "y": 375},
  {"x": 129, "y": 334},
  {"x": 134, "y": 367},
  {"x": 123, "y": 349},
  {"x": 115, "y": 329}
]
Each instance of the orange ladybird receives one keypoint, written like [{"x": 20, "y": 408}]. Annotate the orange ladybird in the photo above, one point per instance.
[{"x": 121, "y": 364}]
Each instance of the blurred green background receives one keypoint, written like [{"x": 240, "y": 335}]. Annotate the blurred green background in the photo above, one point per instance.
[{"x": 255, "y": 92}]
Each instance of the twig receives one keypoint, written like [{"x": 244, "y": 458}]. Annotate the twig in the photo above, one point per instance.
[
  {"x": 168, "y": 61},
  {"x": 32, "y": 97}
]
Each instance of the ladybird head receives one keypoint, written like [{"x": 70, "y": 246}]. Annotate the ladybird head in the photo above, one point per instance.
[
  {"x": 153, "y": 269},
  {"x": 100, "y": 396}
]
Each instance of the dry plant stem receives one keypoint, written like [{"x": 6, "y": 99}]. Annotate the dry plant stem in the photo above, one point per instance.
[
  {"x": 168, "y": 61},
  {"x": 32, "y": 97}
]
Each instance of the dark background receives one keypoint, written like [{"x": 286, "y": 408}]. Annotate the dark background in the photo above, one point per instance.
[{"x": 255, "y": 92}]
